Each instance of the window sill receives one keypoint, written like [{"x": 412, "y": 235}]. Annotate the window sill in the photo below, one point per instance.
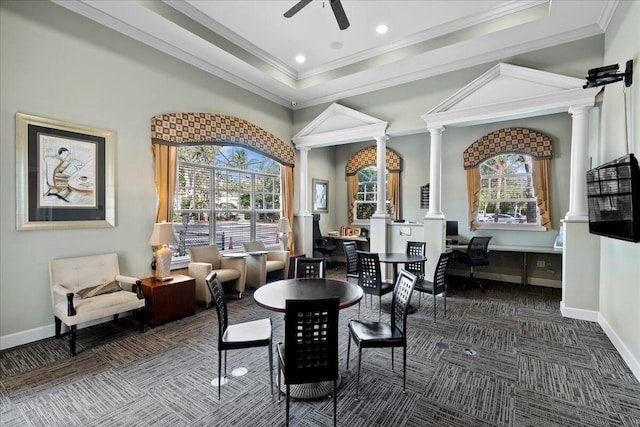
[{"x": 510, "y": 227}]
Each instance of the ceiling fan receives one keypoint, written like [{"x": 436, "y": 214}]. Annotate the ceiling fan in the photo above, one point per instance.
[{"x": 336, "y": 5}]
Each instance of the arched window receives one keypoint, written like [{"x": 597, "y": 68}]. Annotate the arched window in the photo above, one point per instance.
[
  {"x": 507, "y": 194},
  {"x": 225, "y": 195},
  {"x": 366, "y": 200}
]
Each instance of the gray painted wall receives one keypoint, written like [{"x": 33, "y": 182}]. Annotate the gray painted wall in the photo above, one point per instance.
[{"x": 59, "y": 65}]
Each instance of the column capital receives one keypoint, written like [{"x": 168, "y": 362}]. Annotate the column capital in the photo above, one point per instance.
[
  {"x": 382, "y": 138},
  {"x": 436, "y": 130},
  {"x": 303, "y": 149},
  {"x": 579, "y": 109}
]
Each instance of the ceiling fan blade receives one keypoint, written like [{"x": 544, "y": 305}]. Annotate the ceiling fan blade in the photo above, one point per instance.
[
  {"x": 296, "y": 8},
  {"x": 341, "y": 17}
]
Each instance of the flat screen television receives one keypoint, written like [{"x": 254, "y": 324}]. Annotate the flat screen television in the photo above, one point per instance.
[
  {"x": 613, "y": 196},
  {"x": 452, "y": 228}
]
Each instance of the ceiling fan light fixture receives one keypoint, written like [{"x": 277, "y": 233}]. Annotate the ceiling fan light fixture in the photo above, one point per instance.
[{"x": 382, "y": 28}]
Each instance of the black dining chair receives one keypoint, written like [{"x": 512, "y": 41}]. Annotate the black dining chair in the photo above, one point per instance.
[
  {"x": 370, "y": 334},
  {"x": 310, "y": 268},
  {"x": 438, "y": 285},
  {"x": 370, "y": 279},
  {"x": 350, "y": 253},
  {"x": 256, "y": 333},
  {"x": 310, "y": 350},
  {"x": 416, "y": 268}
]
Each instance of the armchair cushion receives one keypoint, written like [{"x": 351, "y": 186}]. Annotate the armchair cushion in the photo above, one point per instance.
[{"x": 230, "y": 271}]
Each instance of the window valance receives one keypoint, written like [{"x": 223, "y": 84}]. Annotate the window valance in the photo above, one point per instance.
[
  {"x": 202, "y": 128},
  {"x": 367, "y": 157},
  {"x": 518, "y": 140}
]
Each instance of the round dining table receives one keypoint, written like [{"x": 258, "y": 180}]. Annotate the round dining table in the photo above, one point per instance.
[{"x": 273, "y": 296}]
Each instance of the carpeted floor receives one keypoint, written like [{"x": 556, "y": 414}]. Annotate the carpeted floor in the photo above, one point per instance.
[{"x": 531, "y": 367}]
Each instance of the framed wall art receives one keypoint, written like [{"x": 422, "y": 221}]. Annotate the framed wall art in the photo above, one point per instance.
[
  {"x": 320, "y": 195},
  {"x": 64, "y": 175}
]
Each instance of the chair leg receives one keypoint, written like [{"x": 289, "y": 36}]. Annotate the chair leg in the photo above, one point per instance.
[
  {"x": 392, "y": 368},
  {"x": 279, "y": 380},
  {"x": 116, "y": 317},
  {"x": 404, "y": 368},
  {"x": 348, "y": 350},
  {"x": 271, "y": 367},
  {"x": 445, "y": 301},
  {"x": 72, "y": 340},
  {"x": 58, "y": 326},
  {"x": 225, "y": 363},
  {"x": 219, "y": 372},
  {"x": 358, "y": 377},
  {"x": 335, "y": 403},
  {"x": 141, "y": 319},
  {"x": 379, "y": 308},
  {"x": 434, "y": 304},
  {"x": 287, "y": 405}
]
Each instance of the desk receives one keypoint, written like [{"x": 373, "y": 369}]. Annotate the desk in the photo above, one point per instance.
[
  {"x": 524, "y": 250},
  {"x": 273, "y": 296}
]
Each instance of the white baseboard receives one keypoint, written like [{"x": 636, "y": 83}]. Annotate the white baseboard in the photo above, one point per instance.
[
  {"x": 47, "y": 331},
  {"x": 594, "y": 316},
  {"x": 627, "y": 356}
]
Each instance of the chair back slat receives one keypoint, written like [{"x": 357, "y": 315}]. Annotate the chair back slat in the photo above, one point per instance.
[
  {"x": 311, "y": 340},
  {"x": 370, "y": 279},
  {"x": 350, "y": 252},
  {"x": 417, "y": 268},
  {"x": 310, "y": 268},
  {"x": 220, "y": 301},
  {"x": 401, "y": 299}
]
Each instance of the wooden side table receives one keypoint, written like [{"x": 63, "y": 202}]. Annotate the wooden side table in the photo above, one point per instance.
[
  {"x": 292, "y": 264},
  {"x": 168, "y": 300}
]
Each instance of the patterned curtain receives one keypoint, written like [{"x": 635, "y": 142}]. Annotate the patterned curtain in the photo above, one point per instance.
[
  {"x": 286, "y": 187},
  {"x": 165, "y": 178}
]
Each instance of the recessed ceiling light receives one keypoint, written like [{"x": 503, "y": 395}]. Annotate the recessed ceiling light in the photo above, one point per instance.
[
  {"x": 300, "y": 59},
  {"x": 382, "y": 28}
]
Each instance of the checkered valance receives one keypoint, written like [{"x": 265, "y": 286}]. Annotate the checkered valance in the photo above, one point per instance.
[
  {"x": 203, "y": 128},
  {"x": 519, "y": 140},
  {"x": 368, "y": 157}
]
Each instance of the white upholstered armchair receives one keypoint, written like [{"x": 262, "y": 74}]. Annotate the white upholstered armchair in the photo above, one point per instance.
[
  {"x": 262, "y": 261},
  {"x": 205, "y": 259},
  {"x": 89, "y": 288}
]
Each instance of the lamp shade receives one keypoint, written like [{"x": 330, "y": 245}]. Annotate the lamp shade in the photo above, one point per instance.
[
  {"x": 162, "y": 234},
  {"x": 284, "y": 225}
]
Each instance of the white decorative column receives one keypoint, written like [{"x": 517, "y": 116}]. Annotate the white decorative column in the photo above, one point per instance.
[
  {"x": 304, "y": 220},
  {"x": 304, "y": 181},
  {"x": 434, "y": 222},
  {"x": 381, "y": 164},
  {"x": 435, "y": 173},
  {"x": 378, "y": 221},
  {"x": 581, "y": 250},
  {"x": 579, "y": 162}
]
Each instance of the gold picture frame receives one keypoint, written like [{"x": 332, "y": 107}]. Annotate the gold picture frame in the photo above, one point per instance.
[
  {"x": 64, "y": 175},
  {"x": 320, "y": 195}
]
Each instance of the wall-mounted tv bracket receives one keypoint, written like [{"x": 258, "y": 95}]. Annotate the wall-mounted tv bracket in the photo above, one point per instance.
[{"x": 604, "y": 75}]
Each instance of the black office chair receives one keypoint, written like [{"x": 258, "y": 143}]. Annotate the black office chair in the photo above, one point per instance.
[
  {"x": 350, "y": 252},
  {"x": 310, "y": 350},
  {"x": 256, "y": 333},
  {"x": 370, "y": 279},
  {"x": 310, "y": 268},
  {"x": 439, "y": 284},
  {"x": 416, "y": 268},
  {"x": 321, "y": 244},
  {"x": 475, "y": 255},
  {"x": 369, "y": 334}
]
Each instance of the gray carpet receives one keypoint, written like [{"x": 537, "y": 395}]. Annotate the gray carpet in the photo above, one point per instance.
[{"x": 532, "y": 367}]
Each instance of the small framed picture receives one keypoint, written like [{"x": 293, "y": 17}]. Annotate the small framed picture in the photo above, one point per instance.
[
  {"x": 320, "y": 195},
  {"x": 355, "y": 231}
]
